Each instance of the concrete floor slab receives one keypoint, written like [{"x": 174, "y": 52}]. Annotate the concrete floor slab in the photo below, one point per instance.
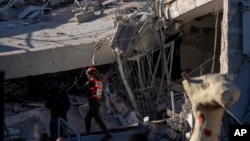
[
  {"x": 57, "y": 43},
  {"x": 186, "y": 10}
]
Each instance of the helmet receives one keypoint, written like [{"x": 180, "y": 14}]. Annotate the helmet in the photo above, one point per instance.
[{"x": 91, "y": 71}]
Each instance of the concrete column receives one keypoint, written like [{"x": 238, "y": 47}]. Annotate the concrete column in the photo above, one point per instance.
[{"x": 231, "y": 39}]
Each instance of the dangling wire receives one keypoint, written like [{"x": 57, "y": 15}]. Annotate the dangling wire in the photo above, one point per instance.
[
  {"x": 215, "y": 35},
  {"x": 97, "y": 46}
]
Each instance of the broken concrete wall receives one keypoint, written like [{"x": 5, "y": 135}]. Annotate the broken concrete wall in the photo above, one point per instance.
[
  {"x": 233, "y": 62},
  {"x": 41, "y": 61},
  {"x": 136, "y": 32},
  {"x": 126, "y": 32},
  {"x": 186, "y": 10},
  {"x": 149, "y": 40},
  {"x": 231, "y": 45},
  {"x": 198, "y": 44},
  {"x": 196, "y": 20}
]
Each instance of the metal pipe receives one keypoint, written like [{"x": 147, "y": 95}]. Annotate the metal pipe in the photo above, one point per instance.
[
  {"x": 156, "y": 67},
  {"x": 163, "y": 53},
  {"x": 171, "y": 62},
  {"x": 173, "y": 103},
  {"x": 141, "y": 85},
  {"x": 130, "y": 94},
  {"x": 161, "y": 8}
]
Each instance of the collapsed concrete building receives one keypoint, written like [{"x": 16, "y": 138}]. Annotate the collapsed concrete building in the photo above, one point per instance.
[{"x": 141, "y": 52}]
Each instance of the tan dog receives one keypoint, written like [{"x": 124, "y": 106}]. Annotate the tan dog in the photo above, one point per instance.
[{"x": 209, "y": 95}]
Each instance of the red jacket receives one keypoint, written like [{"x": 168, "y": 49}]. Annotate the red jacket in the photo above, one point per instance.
[{"x": 96, "y": 90}]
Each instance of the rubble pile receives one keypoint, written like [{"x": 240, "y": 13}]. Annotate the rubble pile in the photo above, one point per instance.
[
  {"x": 35, "y": 11},
  {"x": 116, "y": 111}
]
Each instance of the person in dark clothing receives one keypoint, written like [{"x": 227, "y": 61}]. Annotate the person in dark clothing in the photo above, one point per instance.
[
  {"x": 94, "y": 88},
  {"x": 58, "y": 102},
  {"x": 101, "y": 7}
]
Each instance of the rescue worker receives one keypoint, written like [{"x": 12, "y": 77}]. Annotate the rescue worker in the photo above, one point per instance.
[
  {"x": 94, "y": 89},
  {"x": 58, "y": 102}
]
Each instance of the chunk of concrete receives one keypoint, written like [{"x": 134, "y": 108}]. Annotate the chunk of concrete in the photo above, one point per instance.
[
  {"x": 28, "y": 10},
  {"x": 34, "y": 15},
  {"x": 82, "y": 17}
]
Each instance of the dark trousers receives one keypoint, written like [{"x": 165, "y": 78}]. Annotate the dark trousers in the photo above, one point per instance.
[
  {"x": 94, "y": 112},
  {"x": 54, "y": 127},
  {"x": 101, "y": 8}
]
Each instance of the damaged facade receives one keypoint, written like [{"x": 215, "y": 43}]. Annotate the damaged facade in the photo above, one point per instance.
[{"x": 143, "y": 47}]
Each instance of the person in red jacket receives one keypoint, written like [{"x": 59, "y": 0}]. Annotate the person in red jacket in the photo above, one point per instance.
[{"x": 94, "y": 89}]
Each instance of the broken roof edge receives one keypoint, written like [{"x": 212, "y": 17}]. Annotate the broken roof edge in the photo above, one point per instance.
[
  {"x": 54, "y": 60},
  {"x": 184, "y": 11},
  {"x": 52, "y": 46}
]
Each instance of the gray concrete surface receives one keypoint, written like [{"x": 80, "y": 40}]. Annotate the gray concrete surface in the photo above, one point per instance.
[
  {"x": 185, "y": 10},
  {"x": 56, "y": 43}
]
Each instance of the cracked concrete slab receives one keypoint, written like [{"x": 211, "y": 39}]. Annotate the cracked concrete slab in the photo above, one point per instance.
[{"x": 57, "y": 43}]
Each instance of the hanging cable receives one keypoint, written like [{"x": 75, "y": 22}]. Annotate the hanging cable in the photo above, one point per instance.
[
  {"x": 97, "y": 46},
  {"x": 215, "y": 35}
]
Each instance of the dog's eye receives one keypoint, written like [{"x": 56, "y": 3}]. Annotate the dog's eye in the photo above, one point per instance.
[{"x": 204, "y": 85}]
